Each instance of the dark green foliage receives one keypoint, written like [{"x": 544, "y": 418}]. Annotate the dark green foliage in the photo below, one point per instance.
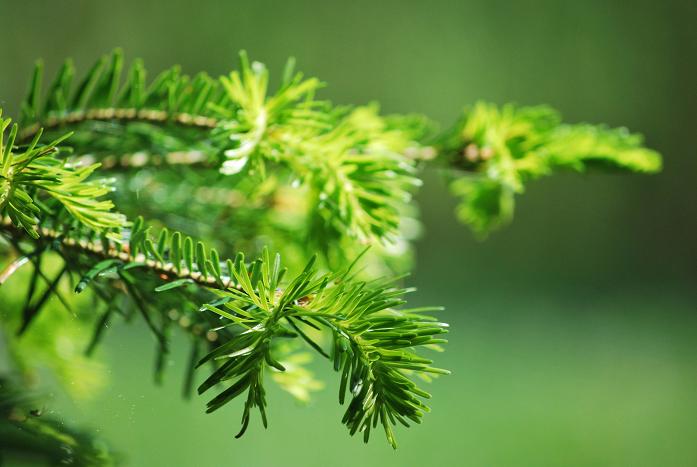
[{"x": 26, "y": 431}]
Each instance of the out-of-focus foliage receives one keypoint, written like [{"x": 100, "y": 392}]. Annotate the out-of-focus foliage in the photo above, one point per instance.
[
  {"x": 502, "y": 148},
  {"x": 26, "y": 432}
]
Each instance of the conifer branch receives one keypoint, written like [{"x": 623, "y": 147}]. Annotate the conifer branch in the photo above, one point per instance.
[
  {"x": 346, "y": 176},
  {"x": 118, "y": 114},
  {"x": 496, "y": 150},
  {"x": 36, "y": 171}
]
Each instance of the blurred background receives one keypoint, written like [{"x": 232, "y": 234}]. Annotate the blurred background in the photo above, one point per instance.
[{"x": 574, "y": 331}]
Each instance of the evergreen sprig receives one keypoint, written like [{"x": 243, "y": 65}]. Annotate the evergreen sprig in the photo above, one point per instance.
[
  {"x": 353, "y": 159},
  {"x": 310, "y": 178},
  {"x": 259, "y": 124},
  {"x": 171, "y": 97},
  {"x": 501, "y": 148},
  {"x": 36, "y": 171},
  {"x": 373, "y": 341}
]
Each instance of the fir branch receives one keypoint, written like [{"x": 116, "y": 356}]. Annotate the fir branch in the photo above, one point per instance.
[
  {"x": 360, "y": 165},
  {"x": 362, "y": 178},
  {"x": 500, "y": 149},
  {"x": 353, "y": 171},
  {"x": 119, "y": 114},
  {"x": 37, "y": 171},
  {"x": 258, "y": 117},
  {"x": 172, "y": 114},
  {"x": 171, "y": 98},
  {"x": 138, "y": 253},
  {"x": 374, "y": 343},
  {"x": 254, "y": 302},
  {"x": 335, "y": 150}
]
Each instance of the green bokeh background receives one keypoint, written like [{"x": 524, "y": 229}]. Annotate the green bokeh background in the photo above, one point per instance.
[{"x": 574, "y": 331}]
